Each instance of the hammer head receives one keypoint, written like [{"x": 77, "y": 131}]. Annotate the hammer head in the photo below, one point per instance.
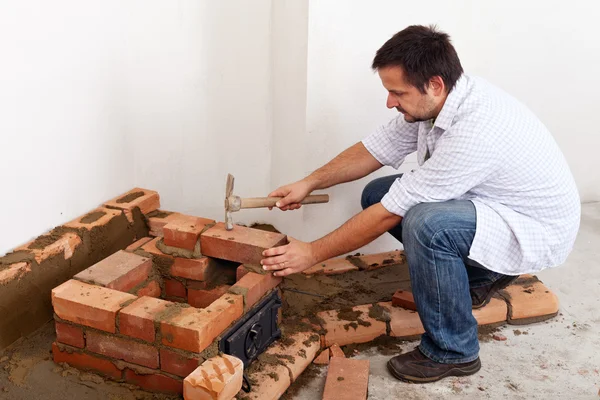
[{"x": 232, "y": 203}]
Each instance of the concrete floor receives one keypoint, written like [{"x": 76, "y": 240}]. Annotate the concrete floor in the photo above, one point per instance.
[{"x": 556, "y": 359}]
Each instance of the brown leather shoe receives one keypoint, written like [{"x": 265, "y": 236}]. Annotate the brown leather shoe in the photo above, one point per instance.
[
  {"x": 416, "y": 368},
  {"x": 482, "y": 295}
]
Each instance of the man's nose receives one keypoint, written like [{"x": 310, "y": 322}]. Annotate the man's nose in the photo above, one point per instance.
[{"x": 391, "y": 101}]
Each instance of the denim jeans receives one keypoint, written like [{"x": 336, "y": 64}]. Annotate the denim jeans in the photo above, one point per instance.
[{"x": 437, "y": 238}]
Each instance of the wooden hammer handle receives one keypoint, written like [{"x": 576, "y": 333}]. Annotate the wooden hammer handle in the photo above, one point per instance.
[{"x": 258, "y": 202}]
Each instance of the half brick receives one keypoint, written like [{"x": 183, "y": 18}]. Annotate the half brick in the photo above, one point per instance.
[
  {"x": 146, "y": 200},
  {"x": 404, "y": 299},
  {"x": 89, "y": 305},
  {"x": 242, "y": 244},
  {"x": 120, "y": 271},
  {"x": 219, "y": 378}
]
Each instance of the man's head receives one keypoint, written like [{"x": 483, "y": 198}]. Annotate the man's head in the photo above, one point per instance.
[{"x": 419, "y": 67}]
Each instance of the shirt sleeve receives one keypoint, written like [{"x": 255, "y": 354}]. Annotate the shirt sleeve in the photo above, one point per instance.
[
  {"x": 392, "y": 142},
  {"x": 462, "y": 159}
]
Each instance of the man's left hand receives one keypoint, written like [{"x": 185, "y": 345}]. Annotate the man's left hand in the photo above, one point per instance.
[{"x": 289, "y": 259}]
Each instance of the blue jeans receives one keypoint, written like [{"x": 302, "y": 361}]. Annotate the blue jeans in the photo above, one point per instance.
[{"x": 437, "y": 238}]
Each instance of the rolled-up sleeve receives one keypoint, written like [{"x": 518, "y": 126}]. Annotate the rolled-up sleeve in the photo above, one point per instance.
[
  {"x": 392, "y": 142},
  {"x": 462, "y": 160}
]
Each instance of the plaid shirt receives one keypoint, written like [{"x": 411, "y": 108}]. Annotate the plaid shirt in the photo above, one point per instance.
[{"x": 486, "y": 147}]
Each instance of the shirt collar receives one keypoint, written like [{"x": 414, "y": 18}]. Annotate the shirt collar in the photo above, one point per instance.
[{"x": 453, "y": 101}]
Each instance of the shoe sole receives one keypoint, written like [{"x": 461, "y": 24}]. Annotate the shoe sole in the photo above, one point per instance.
[
  {"x": 470, "y": 370},
  {"x": 493, "y": 291}
]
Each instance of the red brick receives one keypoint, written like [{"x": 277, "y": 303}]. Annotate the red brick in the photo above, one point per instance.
[
  {"x": 530, "y": 301},
  {"x": 323, "y": 358},
  {"x": 194, "y": 329},
  {"x": 219, "y": 378},
  {"x": 152, "y": 289},
  {"x": 347, "y": 379},
  {"x": 339, "y": 331},
  {"x": 69, "y": 334},
  {"x": 334, "y": 266},
  {"x": 157, "y": 223},
  {"x": 85, "y": 362},
  {"x": 254, "y": 286},
  {"x": 495, "y": 311},
  {"x": 174, "y": 288},
  {"x": 89, "y": 305},
  {"x": 271, "y": 383},
  {"x": 403, "y": 322},
  {"x": 185, "y": 233},
  {"x": 178, "y": 364},
  {"x": 65, "y": 245},
  {"x": 380, "y": 260},
  {"x": 242, "y": 244},
  {"x": 198, "y": 269},
  {"x": 120, "y": 271},
  {"x": 303, "y": 351},
  {"x": 336, "y": 351},
  {"x": 148, "y": 202},
  {"x": 154, "y": 382},
  {"x": 137, "y": 319},
  {"x": 14, "y": 271},
  {"x": 404, "y": 299},
  {"x": 105, "y": 215},
  {"x": 122, "y": 349},
  {"x": 139, "y": 243},
  {"x": 240, "y": 272},
  {"x": 201, "y": 298}
]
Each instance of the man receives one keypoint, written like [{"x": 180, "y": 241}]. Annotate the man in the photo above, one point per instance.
[{"x": 493, "y": 197}]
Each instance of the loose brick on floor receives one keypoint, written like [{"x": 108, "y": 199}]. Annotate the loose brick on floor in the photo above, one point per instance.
[
  {"x": 254, "y": 286},
  {"x": 343, "y": 332},
  {"x": 151, "y": 289},
  {"x": 271, "y": 383},
  {"x": 89, "y": 305},
  {"x": 185, "y": 234},
  {"x": 146, "y": 200},
  {"x": 336, "y": 351},
  {"x": 303, "y": 350},
  {"x": 154, "y": 382},
  {"x": 177, "y": 363},
  {"x": 69, "y": 334},
  {"x": 493, "y": 312},
  {"x": 98, "y": 217},
  {"x": 323, "y": 358},
  {"x": 194, "y": 329},
  {"x": 529, "y": 300},
  {"x": 334, "y": 266},
  {"x": 347, "y": 379},
  {"x": 201, "y": 298},
  {"x": 137, "y": 319},
  {"x": 85, "y": 362},
  {"x": 403, "y": 322},
  {"x": 122, "y": 349},
  {"x": 65, "y": 245},
  {"x": 404, "y": 299},
  {"x": 120, "y": 271},
  {"x": 174, "y": 288},
  {"x": 218, "y": 378},
  {"x": 138, "y": 243},
  {"x": 14, "y": 271},
  {"x": 242, "y": 244}
]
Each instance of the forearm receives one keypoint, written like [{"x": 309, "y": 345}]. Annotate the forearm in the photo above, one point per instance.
[
  {"x": 352, "y": 164},
  {"x": 361, "y": 229}
]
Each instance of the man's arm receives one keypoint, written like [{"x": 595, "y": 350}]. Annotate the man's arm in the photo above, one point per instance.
[
  {"x": 361, "y": 229},
  {"x": 351, "y": 164}
]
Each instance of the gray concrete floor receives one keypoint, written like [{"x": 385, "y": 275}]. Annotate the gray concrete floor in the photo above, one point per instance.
[{"x": 556, "y": 359}]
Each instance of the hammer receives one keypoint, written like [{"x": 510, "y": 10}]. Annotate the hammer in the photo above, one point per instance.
[{"x": 235, "y": 203}]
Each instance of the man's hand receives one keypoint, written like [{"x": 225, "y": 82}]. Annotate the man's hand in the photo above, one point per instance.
[
  {"x": 292, "y": 195},
  {"x": 289, "y": 259}
]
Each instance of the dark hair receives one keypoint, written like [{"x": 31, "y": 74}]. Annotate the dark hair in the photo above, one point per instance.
[{"x": 422, "y": 52}]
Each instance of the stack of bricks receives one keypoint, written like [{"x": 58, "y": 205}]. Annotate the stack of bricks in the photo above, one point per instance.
[{"x": 152, "y": 314}]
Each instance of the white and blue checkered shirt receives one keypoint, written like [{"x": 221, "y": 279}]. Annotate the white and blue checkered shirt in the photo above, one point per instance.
[{"x": 487, "y": 147}]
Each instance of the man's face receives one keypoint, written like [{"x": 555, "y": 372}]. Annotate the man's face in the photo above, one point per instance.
[{"x": 407, "y": 99}]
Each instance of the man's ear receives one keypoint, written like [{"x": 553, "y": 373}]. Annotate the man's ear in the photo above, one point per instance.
[{"x": 437, "y": 86}]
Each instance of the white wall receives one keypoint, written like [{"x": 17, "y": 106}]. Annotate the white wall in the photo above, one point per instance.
[
  {"x": 99, "y": 97},
  {"x": 543, "y": 52}
]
